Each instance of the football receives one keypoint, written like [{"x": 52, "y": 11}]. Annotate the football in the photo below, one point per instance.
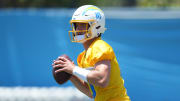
[{"x": 61, "y": 77}]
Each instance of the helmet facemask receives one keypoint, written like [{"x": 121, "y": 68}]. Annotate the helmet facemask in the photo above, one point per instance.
[{"x": 80, "y": 35}]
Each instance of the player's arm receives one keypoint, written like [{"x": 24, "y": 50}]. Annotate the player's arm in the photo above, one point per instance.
[
  {"x": 68, "y": 67},
  {"x": 81, "y": 85},
  {"x": 101, "y": 75}
]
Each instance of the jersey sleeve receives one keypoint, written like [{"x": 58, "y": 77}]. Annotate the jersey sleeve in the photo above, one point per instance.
[
  {"x": 99, "y": 52},
  {"x": 79, "y": 58}
]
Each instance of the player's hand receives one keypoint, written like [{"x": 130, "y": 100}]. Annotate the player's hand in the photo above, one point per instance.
[{"x": 64, "y": 65}]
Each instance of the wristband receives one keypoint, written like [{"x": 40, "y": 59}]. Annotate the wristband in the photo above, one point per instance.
[{"x": 81, "y": 73}]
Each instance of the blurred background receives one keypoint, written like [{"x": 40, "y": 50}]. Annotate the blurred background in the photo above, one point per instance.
[
  {"x": 145, "y": 35},
  {"x": 77, "y": 3}
]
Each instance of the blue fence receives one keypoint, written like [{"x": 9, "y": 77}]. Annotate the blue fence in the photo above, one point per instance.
[{"x": 147, "y": 50}]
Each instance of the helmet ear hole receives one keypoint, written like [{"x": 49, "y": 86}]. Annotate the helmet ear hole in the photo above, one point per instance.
[{"x": 98, "y": 27}]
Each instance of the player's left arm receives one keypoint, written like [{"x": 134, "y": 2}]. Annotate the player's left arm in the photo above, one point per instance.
[{"x": 101, "y": 74}]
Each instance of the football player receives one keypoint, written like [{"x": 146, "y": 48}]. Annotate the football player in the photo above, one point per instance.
[{"x": 97, "y": 74}]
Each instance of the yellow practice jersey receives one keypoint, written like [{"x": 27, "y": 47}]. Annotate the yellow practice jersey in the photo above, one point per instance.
[{"x": 99, "y": 50}]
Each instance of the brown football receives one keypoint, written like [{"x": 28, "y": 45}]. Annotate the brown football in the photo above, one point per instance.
[{"x": 61, "y": 77}]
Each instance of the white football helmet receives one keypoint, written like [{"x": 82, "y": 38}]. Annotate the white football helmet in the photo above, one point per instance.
[{"x": 94, "y": 19}]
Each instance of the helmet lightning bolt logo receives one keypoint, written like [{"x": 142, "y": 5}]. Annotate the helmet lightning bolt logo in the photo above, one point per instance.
[{"x": 91, "y": 8}]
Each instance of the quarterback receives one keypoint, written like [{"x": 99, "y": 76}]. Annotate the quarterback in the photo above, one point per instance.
[{"x": 97, "y": 74}]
